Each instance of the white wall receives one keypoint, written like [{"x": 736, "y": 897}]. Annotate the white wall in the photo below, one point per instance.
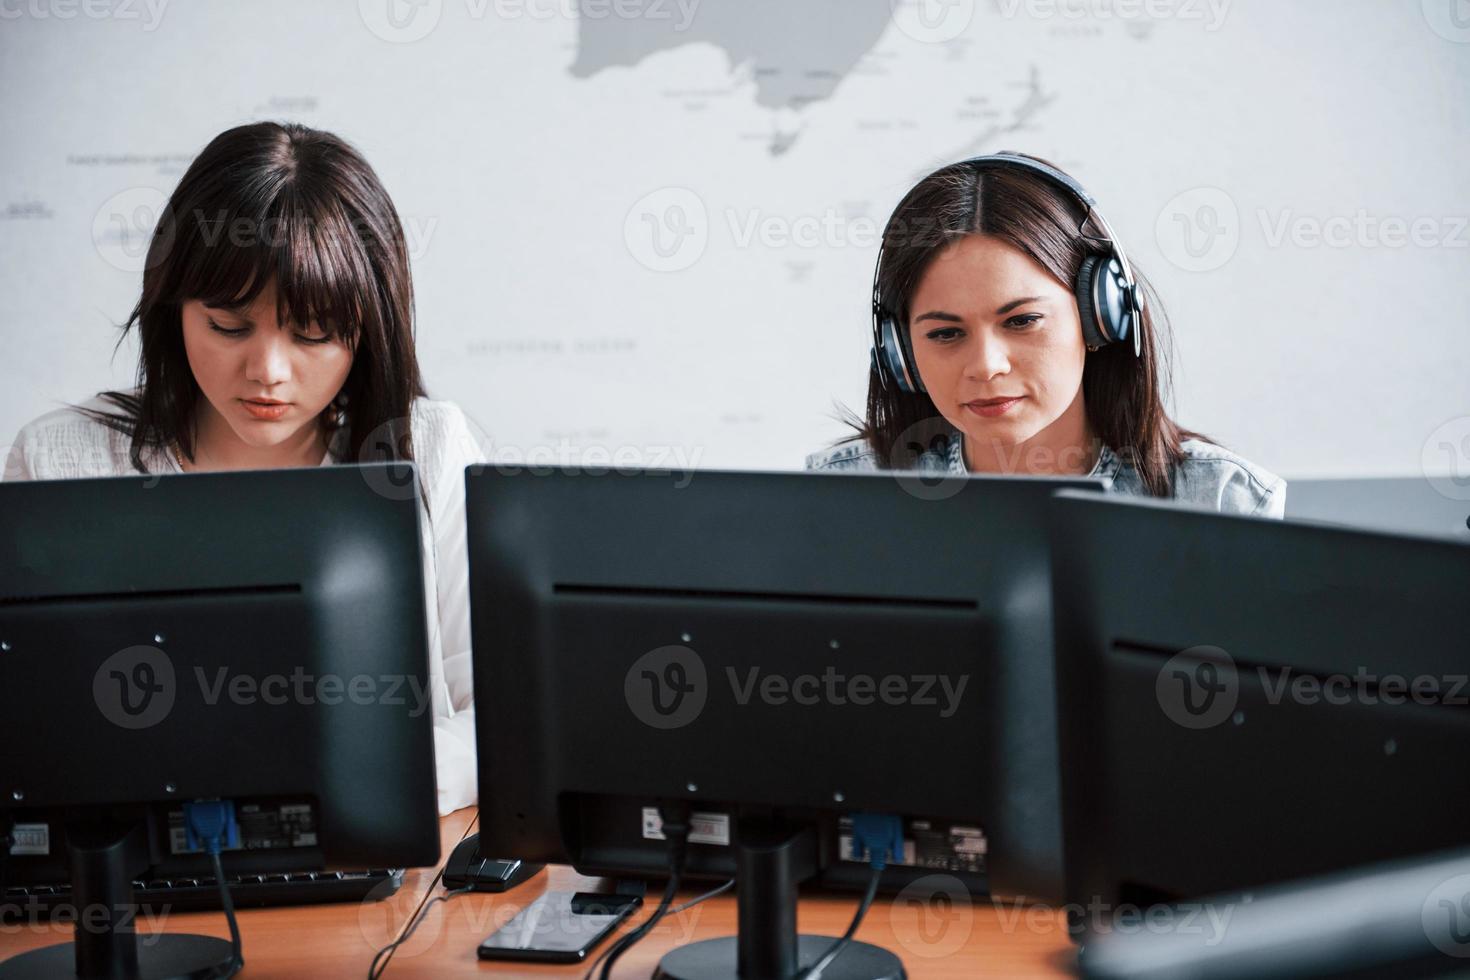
[{"x": 522, "y": 143}]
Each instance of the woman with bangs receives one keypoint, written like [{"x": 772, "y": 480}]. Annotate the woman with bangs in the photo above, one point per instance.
[{"x": 276, "y": 330}]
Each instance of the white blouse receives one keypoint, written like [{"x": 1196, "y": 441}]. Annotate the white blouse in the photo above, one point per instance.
[{"x": 66, "y": 444}]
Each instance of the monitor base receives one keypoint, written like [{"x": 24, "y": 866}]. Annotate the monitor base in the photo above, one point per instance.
[
  {"x": 715, "y": 959},
  {"x": 167, "y": 957}
]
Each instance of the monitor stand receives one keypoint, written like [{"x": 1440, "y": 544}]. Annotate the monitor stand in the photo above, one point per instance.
[
  {"x": 772, "y": 859},
  {"x": 104, "y": 858}
]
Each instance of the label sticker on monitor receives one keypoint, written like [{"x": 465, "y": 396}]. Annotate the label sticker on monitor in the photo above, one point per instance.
[
  {"x": 31, "y": 840},
  {"x": 275, "y": 825},
  {"x": 704, "y": 828},
  {"x": 934, "y": 844}
]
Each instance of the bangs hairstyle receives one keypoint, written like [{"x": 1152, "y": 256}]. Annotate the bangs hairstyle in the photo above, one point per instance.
[
  {"x": 283, "y": 203},
  {"x": 1124, "y": 395}
]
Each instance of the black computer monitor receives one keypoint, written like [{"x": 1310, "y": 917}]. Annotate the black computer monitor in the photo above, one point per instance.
[
  {"x": 786, "y": 647},
  {"x": 1404, "y": 918},
  {"x": 1243, "y": 701},
  {"x": 253, "y": 637}
]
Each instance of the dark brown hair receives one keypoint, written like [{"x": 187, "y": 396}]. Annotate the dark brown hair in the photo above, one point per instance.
[
  {"x": 285, "y": 203},
  {"x": 1124, "y": 395}
]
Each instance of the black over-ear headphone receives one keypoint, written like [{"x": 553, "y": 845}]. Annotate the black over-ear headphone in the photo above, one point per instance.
[{"x": 1108, "y": 296}]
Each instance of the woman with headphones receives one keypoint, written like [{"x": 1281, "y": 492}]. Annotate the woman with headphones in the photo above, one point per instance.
[
  {"x": 1011, "y": 336},
  {"x": 275, "y": 329}
]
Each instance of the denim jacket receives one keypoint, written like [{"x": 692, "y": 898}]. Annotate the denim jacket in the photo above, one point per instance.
[{"x": 1209, "y": 477}]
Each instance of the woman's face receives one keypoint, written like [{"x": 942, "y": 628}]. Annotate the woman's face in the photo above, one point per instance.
[
  {"x": 266, "y": 380},
  {"x": 997, "y": 341}
]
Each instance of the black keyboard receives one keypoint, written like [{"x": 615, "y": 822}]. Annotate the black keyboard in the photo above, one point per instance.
[{"x": 202, "y": 894}]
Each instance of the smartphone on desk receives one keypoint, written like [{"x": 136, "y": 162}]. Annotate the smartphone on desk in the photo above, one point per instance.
[{"x": 559, "y": 927}]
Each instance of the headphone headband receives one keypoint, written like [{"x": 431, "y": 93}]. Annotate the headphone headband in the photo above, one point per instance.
[
  {"x": 1010, "y": 158},
  {"x": 890, "y": 350}
]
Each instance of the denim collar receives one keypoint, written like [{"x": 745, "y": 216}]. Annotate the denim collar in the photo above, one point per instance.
[{"x": 1108, "y": 464}]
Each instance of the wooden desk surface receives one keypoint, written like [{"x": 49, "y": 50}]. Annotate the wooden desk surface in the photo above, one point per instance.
[{"x": 979, "y": 940}]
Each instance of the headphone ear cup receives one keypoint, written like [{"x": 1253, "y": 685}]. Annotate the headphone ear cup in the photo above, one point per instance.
[
  {"x": 1094, "y": 330},
  {"x": 895, "y": 358}
]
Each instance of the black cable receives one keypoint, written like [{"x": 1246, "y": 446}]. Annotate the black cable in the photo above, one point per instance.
[
  {"x": 703, "y": 898},
  {"x": 676, "y": 830},
  {"x": 376, "y": 968},
  {"x": 620, "y": 947},
  {"x": 211, "y": 823},
  {"x": 673, "y": 911},
  {"x": 237, "y": 958},
  {"x": 836, "y": 948}
]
